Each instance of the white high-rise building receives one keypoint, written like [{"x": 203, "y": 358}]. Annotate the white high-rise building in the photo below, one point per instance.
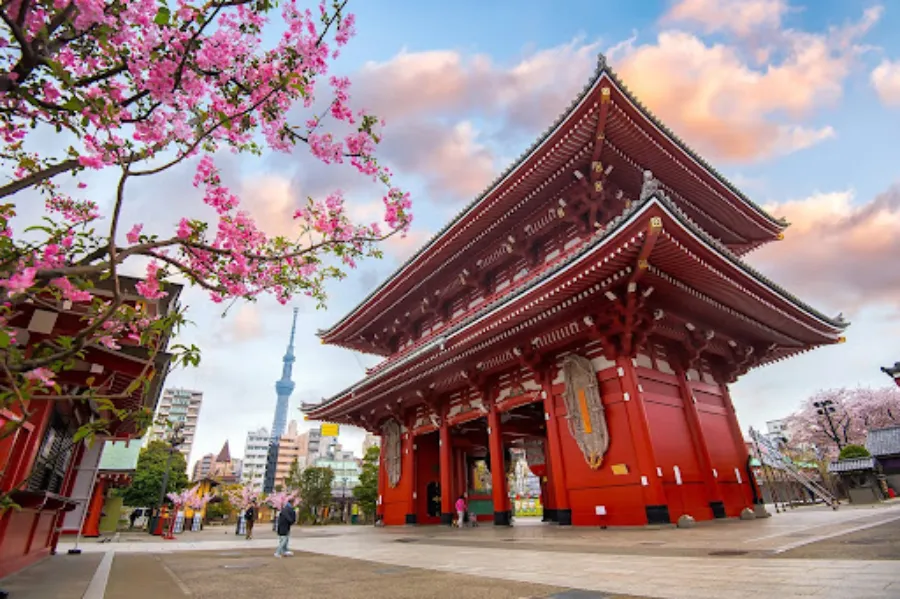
[
  {"x": 178, "y": 405},
  {"x": 256, "y": 450}
]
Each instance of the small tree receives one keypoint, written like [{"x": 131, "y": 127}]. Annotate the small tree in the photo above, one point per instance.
[
  {"x": 854, "y": 451},
  {"x": 294, "y": 477},
  {"x": 366, "y": 492},
  {"x": 315, "y": 489},
  {"x": 146, "y": 483}
]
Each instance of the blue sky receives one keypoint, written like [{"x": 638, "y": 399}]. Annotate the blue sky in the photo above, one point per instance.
[{"x": 810, "y": 136}]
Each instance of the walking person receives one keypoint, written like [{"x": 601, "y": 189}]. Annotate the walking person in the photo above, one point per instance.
[
  {"x": 286, "y": 519},
  {"x": 461, "y": 511},
  {"x": 133, "y": 518},
  {"x": 250, "y": 518}
]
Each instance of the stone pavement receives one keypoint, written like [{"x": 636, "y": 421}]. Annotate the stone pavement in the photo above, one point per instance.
[{"x": 808, "y": 552}]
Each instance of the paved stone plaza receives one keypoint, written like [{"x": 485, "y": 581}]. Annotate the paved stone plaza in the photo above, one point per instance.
[{"x": 808, "y": 552}]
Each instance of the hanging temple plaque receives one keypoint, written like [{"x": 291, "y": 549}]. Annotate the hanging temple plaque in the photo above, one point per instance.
[
  {"x": 586, "y": 415},
  {"x": 392, "y": 457}
]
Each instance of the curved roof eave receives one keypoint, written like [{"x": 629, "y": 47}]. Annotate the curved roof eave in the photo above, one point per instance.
[{"x": 618, "y": 223}]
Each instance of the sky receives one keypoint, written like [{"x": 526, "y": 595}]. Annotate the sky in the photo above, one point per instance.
[{"x": 798, "y": 103}]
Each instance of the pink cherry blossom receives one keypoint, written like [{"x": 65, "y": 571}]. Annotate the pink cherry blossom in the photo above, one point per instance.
[
  {"x": 134, "y": 235},
  {"x": 44, "y": 376}
]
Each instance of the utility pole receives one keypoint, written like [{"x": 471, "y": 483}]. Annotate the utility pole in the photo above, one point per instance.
[{"x": 175, "y": 439}]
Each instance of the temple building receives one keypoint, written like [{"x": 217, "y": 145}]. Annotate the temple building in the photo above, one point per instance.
[
  {"x": 591, "y": 308},
  {"x": 46, "y": 470}
]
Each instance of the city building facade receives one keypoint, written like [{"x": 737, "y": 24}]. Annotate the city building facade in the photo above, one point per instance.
[
  {"x": 256, "y": 448},
  {"x": 225, "y": 469},
  {"x": 178, "y": 405},
  {"x": 203, "y": 467},
  {"x": 370, "y": 441},
  {"x": 593, "y": 303}
]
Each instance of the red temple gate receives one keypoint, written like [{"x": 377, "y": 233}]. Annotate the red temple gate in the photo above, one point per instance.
[{"x": 594, "y": 300}]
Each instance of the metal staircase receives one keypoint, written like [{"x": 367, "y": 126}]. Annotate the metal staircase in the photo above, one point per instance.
[{"x": 771, "y": 456}]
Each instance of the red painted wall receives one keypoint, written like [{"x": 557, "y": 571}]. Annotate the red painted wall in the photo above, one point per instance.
[
  {"x": 728, "y": 458},
  {"x": 673, "y": 446},
  {"x": 25, "y": 535}
]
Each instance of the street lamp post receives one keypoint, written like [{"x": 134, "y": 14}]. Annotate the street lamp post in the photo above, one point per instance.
[
  {"x": 893, "y": 372},
  {"x": 175, "y": 439},
  {"x": 826, "y": 408},
  {"x": 343, "y": 500}
]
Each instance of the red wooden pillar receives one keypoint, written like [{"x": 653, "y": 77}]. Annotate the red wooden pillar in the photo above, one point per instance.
[
  {"x": 409, "y": 472},
  {"x": 500, "y": 495},
  {"x": 95, "y": 509},
  {"x": 655, "y": 504},
  {"x": 556, "y": 484},
  {"x": 382, "y": 486},
  {"x": 446, "y": 464},
  {"x": 701, "y": 448},
  {"x": 459, "y": 464}
]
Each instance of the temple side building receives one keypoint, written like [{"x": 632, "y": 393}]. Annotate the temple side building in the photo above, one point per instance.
[{"x": 590, "y": 308}]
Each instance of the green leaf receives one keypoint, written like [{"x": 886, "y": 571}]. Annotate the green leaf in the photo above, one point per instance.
[
  {"x": 162, "y": 16},
  {"x": 4, "y": 339}
]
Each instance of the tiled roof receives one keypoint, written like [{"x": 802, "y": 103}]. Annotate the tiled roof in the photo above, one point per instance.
[
  {"x": 119, "y": 455},
  {"x": 884, "y": 441},
  {"x": 602, "y": 67},
  {"x": 852, "y": 465},
  {"x": 597, "y": 240}
]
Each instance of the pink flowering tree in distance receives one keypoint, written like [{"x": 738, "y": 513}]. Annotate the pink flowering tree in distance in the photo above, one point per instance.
[
  {"x": 243, "y": 496},
  {"x": 279, "y": 499},
  {"x": 856, "y": 411},
  {"x": 183, "y": 499},
  {"x": 132, "y": 89}
]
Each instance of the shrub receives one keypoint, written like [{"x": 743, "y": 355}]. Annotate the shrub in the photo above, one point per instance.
[{"x": 854, "y": 451}]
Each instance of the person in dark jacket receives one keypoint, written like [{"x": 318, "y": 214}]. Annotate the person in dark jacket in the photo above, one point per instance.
[
  {"x": 286, "y": 519},
  {"x": 250, "y": 519}
]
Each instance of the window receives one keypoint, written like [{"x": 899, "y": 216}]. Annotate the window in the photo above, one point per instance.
[{"x": 54, "y": 455}]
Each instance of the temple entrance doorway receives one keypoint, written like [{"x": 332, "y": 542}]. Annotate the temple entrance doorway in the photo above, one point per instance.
[
  {"x": 524, "y": 434},
  {"x": 427, "y": 479}
]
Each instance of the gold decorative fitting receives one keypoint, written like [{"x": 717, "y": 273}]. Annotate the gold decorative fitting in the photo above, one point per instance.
[
  {"x": 560, "y": 212},
  {"x": 597, "y": 166},
  {"x": 598, "y": 186},
  {"x": 643, "y": 264},
  {"x": 601, "y": 136},
  {"x": 656, "y": 223},
  {"x": 842, "y": 339},
  {"x": 604, "y": 95},
  {"x": 780, "y": 236}
]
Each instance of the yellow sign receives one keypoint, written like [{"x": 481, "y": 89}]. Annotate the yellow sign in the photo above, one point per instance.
[
  {"x": 329, "y": 429},
  {"x": 620, "y": 469}
]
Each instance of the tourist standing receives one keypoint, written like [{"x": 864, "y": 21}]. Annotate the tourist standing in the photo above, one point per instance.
[
  {"x": 461, "y": 510},
  {"x": 250, "y": 518},
  {"x": 286, "y": 519}
]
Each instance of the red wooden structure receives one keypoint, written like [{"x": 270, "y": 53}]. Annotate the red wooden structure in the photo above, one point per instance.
[
  {"x": 591, "y": 304},
  {"x": 41, "y": 465}
]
